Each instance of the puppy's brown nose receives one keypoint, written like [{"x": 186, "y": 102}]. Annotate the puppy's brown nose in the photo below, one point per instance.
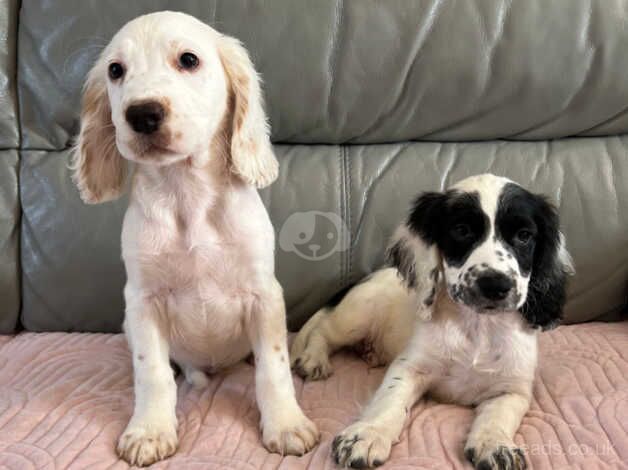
[{"x": 145, "y": 117}]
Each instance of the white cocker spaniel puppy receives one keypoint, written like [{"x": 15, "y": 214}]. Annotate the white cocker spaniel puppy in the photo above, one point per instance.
[
  {"x": 477, "y": 270},
  {"x": 183, "y": 103}
]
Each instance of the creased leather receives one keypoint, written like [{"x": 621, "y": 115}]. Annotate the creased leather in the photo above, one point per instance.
[
  {"x": 9, "y": 134},
  {"x": 369, "y": 71},
  {"x": 351, "y": 72},
  {"x": 9, "y": 140},
  {"x": 9, "y": 239},
  {"x": 583, "y": 177},
  {"x": 73, "y": 275}
]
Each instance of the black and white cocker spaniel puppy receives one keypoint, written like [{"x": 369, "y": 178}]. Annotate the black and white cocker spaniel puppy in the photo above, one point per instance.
[
  {"x": 477, "y": 271},
  {"x": 183, "y": 102}
]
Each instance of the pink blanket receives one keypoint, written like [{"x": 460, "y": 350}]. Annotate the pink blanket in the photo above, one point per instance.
[{"x": 65, "y": 398}]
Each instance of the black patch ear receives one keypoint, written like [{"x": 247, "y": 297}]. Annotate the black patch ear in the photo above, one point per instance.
[
  {"x": 551, "y": 266},
  {"x": 418, "y": 264},
  {"x": 425, "y": 213},
  {"x": 400, "y": 255},
  {"x": 421, "y": 224},
  {"x": 544, "y": 305}
]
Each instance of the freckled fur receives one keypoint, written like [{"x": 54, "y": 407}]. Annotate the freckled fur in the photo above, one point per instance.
[
  {"x": 197, "y": 242},
  {"x": 445, "y": 348}
]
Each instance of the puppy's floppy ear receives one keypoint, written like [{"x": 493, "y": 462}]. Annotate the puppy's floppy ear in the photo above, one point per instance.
[
  {"x": 252, "y": 156},
  {"x": 400, "y": 254},
  {"x": 425, "y": 214},
  {"x": 418, "y": 265},
  {"x": 551, "y": 266},
  {"x": 98, "y": 168},
  {"x": 414, "y": 253},
  {"x": 416, "y": 235}
]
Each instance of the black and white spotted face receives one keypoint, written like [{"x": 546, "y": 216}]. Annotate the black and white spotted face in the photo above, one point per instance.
[
  {"x": 487, "y": 244},
  {"x": 500, "y": 246}
]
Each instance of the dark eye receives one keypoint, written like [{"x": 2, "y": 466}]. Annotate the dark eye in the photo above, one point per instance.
[
  {"x": 524, "y": 236},
  {"x": 116, "y": 70},
  {"x": 188, "y": 61},
  {"x": 461, "y": 231}
]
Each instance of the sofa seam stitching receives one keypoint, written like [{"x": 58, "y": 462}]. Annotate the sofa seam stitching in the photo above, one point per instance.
[
  {"x": 349, "y": 220},
  {"x": 19, "y": 323},
  {"x": 341, "y": 206},
  {"x": 347, "y": 197},
  {"x": 334, "y": 50}
]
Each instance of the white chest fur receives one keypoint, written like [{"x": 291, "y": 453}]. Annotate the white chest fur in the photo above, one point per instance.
[
  {"x": 476, "y": 356},
  {"x": 199, "y": 252}
]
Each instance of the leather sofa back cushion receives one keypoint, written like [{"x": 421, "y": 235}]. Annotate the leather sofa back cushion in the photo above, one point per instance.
[
  {"x": 348, "y": 72},
  {"x": 73, "y": 275},
  {"x": 368, "y": 71},
  {"x": 9, "y": 162}
]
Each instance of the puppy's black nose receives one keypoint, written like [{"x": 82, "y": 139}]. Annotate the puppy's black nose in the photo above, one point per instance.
[
  {"x": 145, "y": 117},
  {"x": 494, "y": 285}
]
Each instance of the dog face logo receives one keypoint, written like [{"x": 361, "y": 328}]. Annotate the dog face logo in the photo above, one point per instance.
[{"x": 314, "y": 235}]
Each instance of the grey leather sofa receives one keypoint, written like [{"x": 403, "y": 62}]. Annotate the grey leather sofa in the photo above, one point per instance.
[{"x": 370, "y": 102}]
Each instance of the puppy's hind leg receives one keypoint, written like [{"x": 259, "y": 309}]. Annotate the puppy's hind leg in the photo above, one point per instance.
[
  {"x": 359, "y": 314},
  {"x": 309, "y": 354}
]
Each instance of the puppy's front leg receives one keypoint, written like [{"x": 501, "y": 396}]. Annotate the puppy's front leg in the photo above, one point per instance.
[
  {"x": 490, "y": 443},
  {"x": 367, "y": 442},
  {"x": 285, "y": 429},
  {"x": 151, "y": 434}
]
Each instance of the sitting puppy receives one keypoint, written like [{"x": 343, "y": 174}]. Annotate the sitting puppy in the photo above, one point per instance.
[
  {"x": 477, "y": 271},
  {"x": 183, "y": 102}
]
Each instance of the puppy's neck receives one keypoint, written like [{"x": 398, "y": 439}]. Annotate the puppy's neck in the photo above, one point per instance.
[
  {"x": 175, "y": 179},
  {"x": 204, "y": 177}
]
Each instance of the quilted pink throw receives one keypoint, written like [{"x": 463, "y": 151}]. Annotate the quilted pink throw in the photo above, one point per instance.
[{"x": 65, "y": 398}]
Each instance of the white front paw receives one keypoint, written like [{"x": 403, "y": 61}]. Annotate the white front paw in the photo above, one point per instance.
[
  {"x": 361, "y": 445},
  {"x": 291, "y": 433},
  {"x": 144, "y": 443}
]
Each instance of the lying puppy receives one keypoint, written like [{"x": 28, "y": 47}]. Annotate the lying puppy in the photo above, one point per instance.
[
  {"x": 477, "y": 271},
  {"x": 183, "y": 102}
]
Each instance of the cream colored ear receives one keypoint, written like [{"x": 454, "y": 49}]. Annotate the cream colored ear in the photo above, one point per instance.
[
  {"x": 99, "y": 169},
  {"x": 252, "y": 156}
]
